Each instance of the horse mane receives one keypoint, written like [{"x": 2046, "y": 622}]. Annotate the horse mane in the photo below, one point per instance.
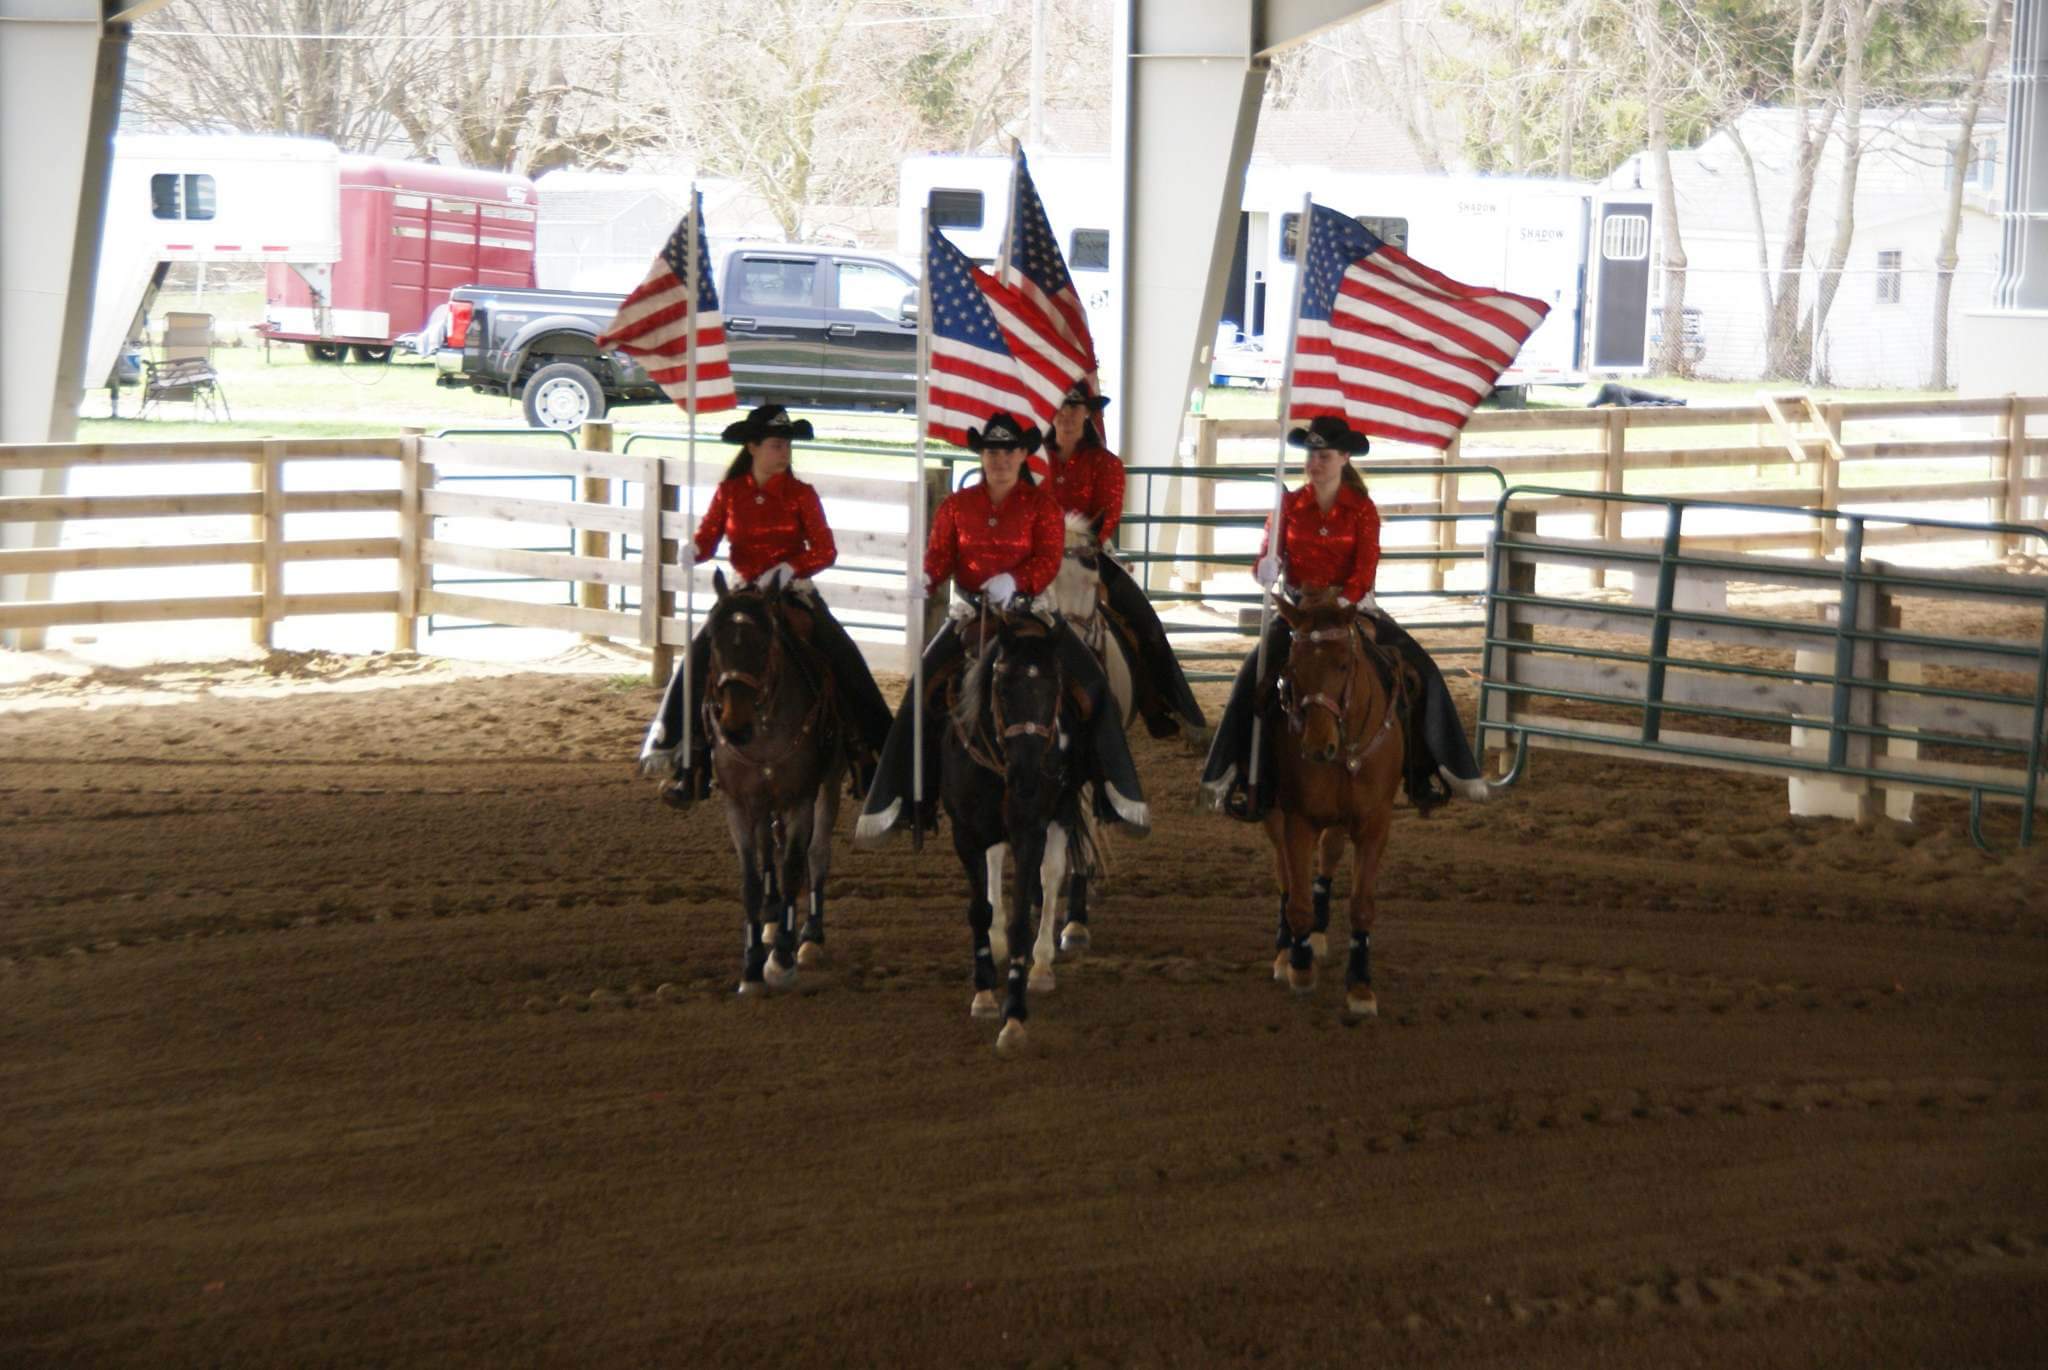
[{"x": 973, "y": 691}]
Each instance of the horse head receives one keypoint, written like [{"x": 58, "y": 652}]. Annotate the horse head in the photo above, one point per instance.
[
  {"x": 1077, "y": 586},
  {"x": 1317, "y": 685},
  {"x": 742, "y": 659}
]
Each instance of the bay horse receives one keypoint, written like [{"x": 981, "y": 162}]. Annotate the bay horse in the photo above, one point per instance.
[
  {"x": 778, "y": 753},
  {"x": 1011, "y": 785},
  {"x": 1336, "y": 767}
]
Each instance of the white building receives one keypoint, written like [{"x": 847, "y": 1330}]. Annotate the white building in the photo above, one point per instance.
[{"x": 1881, "y": 329}]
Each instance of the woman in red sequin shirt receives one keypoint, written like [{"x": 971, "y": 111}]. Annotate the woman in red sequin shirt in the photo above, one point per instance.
[
  {"x": 775, "y": 530},
  {"x": 1000, "y": 541},
  {"x": 1088, "y": 479},
  {"x": 1330, "y": 537}
]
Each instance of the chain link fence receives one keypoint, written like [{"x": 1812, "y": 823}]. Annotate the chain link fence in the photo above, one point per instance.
[{"x": 1891, "y": 326}]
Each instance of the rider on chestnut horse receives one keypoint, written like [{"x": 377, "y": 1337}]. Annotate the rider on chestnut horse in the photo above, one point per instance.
[{"x": 1330, "y": 538}]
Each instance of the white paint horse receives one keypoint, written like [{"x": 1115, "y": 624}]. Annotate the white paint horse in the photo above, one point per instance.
[{"x": 1076, "y": 593}]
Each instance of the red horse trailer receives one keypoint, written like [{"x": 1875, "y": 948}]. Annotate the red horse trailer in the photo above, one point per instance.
[{"x": 410, "y": 233}]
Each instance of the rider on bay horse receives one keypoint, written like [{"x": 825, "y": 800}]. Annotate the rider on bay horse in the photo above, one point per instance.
[
  {"x": 776, "y": 529},
  {"x": 1000, "y": 541},
  {"x": 1330, "y": 536},
  {"x": 1086, "y": 478}
]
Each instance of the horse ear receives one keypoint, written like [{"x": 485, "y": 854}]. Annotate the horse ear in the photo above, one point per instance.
[
  {"x": 718, "y": 584},
  {"x": 1287, "y": 611}
]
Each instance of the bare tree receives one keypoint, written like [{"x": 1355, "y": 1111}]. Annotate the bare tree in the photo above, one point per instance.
[
  {"x": 319, "y": 68},
  {"x": 1945, "y": 256},
  {"x": 1857, "y": 18}
]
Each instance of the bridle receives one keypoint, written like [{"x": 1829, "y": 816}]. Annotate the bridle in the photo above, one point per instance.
[
  {"x": 764, "y": 687},
  {"x": 1354, "y": 754},
  {"x": 989, "y": 747}
]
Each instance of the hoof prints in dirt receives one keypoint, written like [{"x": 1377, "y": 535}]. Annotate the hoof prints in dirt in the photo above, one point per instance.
[{"x": 1838, "y": 1271}]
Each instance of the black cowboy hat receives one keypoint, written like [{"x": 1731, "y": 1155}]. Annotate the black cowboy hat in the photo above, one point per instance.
[
  {"x": 1327, "y": 430},
  {"x": 1005, "y": 431},
  {"x": 1082, "y": 395},
  {"x": 769, "y": 421}
]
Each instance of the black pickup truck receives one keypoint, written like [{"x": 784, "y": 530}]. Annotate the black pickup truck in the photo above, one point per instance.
[{"x": 804, "y": 326}]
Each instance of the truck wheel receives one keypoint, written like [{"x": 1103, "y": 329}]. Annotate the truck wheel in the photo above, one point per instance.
[
  {"x": 325, "y": 352},
  {"x": 562, "y": 395},
  {"x": 373, "y": 356}
]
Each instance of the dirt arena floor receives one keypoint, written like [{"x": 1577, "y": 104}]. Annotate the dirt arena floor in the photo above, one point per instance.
[{"x": 368, "y": 1011}]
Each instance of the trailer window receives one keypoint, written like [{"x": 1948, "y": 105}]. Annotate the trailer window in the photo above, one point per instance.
[
  {"x": 1088, "y": 250},
  {"x": 876, "y": 289},
  {"x": 1625, "y": 237},
  {"x": 174, "y": 196},
  {"x": 776, "y": 281},
  {"x": 1391, "y": 231},
  {"x": 1290, "y": 229},
  {"x": 955, "y": 208}
]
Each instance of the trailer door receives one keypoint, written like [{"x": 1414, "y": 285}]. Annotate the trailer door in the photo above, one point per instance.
[{"x": 1621, "y": 287}]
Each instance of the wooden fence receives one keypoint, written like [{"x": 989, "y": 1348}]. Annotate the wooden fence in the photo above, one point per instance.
[
  {"x": 1791, "y": 450},
  {"x": 438, "y": 525}
]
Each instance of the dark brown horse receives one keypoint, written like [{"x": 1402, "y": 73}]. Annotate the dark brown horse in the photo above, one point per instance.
[
  {"x": 1337, "y": 766},
  {"x": 778, "y": 753}
]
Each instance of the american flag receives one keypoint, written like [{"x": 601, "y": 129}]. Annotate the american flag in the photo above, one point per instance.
[
  {"x": 991, "y": 349},
  {"x": 1037, "y": 271},
  {"x": 1398, "y": 350},
  {"x": 653, "y": 324}
]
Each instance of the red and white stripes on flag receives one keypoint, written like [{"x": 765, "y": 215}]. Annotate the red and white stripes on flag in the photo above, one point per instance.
[
  {"x": 1397, "y": 349},
  {"x": 653, "y": 324},
  {"x": 992, "y": 351},
  {"x": 1033, "y": 266}
]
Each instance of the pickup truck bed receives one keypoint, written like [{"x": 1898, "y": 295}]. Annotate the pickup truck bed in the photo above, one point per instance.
[{"x": 811, "y": 326}]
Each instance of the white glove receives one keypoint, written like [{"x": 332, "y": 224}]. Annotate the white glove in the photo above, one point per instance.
[
  {"x": 1000, "y": 589},
  {"x": 1266, "y": 572},
  {"x": 781, "y": 573}
]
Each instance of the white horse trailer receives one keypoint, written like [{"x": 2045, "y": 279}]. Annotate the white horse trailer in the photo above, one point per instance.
[
  {"x": 207, "y": 198},
  {"x": 1534, "y": 237}
]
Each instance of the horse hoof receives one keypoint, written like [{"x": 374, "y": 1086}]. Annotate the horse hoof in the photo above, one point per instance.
[
  {"x": 777, "y": 975},
  {"x": 753, "y": 989},
  {"x": 1319, "y": 943},
  {"x": 810, "y": 954},
  {"x": 1012, "y": 1040},
  {"x": 1281, "y": 969},
  {"x": 771, "y": 932},
  {"x": 1074, "y": 938},
  {"x": 1042, "y": 981},
  {"x": 984, "y": 1005},
  {"x": 1362, "y": 1004},
  {"x": 1302, "y": 981}
]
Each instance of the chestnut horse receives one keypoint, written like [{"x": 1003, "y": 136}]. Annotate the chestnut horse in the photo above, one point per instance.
[
  {"x": 778, "y": 753},
  {"x": 1337, "y": 766}
]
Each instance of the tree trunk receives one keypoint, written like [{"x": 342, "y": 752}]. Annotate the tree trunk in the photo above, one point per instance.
[
  {"x": 1856, "y": 18},
  {"x": 1945, "y": 256}
]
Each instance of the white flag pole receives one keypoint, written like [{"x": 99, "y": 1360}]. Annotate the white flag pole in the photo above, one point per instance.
[
  {"x": 690, "y": 287},
  {"x": 1273, "y": 528},
  {"x": 1010, "y": 219},
  {"x": 913, "y": 566}
]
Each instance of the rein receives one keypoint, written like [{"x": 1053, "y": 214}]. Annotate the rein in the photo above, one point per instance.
[
  {"x": 987, "y": 745},
  {"x": 1359, "y": 748}
]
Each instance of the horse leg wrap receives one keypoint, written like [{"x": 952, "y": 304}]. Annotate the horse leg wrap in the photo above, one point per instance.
[
  {"x": 1284, "y": 938},
  {"x": 1077, "y": 899},
  {"x": 1301, "y": 955},
  {"x": 1322, "y": 901},
  {"x": 1014, "y": 996},
  {"x": 814, "y": 926},
  {"x": 1358, "y": 971},
  {"x": 756, "y": 951}
]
